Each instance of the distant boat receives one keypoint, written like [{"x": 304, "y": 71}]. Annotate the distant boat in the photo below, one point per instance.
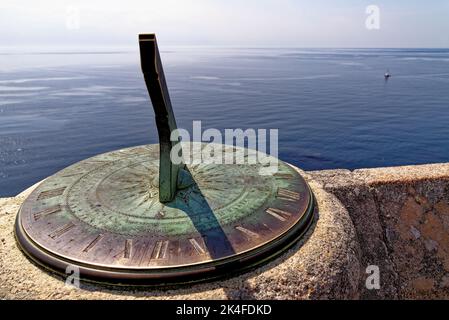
[{"x": 387, "y": 75}]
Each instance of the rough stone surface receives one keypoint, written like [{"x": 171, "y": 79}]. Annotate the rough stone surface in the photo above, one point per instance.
[
  {"x": 395, "y": 218},
  {"x": 323, "y": 265},
  {"x": 401, "y": 216}
]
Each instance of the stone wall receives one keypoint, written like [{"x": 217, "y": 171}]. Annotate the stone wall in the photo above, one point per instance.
[
  {"x": 394, "y": 218},
  {"x": 401, "y": 217}
]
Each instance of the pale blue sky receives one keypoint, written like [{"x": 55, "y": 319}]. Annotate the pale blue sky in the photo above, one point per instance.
[{"x": 298, "y": 23}]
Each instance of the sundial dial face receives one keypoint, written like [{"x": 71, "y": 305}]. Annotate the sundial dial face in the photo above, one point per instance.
[
  {"x": 105, "y": 212},
  {"x": 118, "y": 216}
]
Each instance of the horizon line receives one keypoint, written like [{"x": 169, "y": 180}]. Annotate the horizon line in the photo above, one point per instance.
[{"x": 120, "y": 49}]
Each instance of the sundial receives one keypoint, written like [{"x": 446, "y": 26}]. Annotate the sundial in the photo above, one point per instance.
[{"x": 135, "y": 216}]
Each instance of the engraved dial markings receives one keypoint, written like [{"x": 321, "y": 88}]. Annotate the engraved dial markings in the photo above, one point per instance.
[
  {"x": 279, "y": 214},
  {"x": 50, "y": 193},
  {"x": 93, "y": 243},
  {"x": 128, "y": 248},
  {"x": 199, "y": 248},
  {"x": 160, "y": 249},
  {"x": 108, "y": 212},
  {"x": 247, "y": 232},
  {"x": 46, "y": 212},
  {"x": 59, "y": 232},
  {"x": 288, "y": 195}
]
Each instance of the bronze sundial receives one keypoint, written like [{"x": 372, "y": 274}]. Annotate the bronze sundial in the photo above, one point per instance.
[{"x": 133, "y": 216}]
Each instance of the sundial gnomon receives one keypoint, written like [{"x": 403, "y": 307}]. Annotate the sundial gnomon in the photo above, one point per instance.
[{"x": 132, "y": 215}]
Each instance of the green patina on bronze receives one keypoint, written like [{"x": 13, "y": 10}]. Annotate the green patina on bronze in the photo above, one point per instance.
[
  {"x": 118, "y": 192},
  {"x": 133, "y": 215},
  {"x": 105, "y": 212}
]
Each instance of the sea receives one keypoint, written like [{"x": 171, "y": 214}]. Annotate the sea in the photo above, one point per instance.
[{"x": 332, "y": 107}]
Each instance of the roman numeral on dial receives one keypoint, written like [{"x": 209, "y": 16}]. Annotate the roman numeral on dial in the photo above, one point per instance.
[
  {"x": 283, "y": 175},
  {"x": 288, "y": 195},
  {"x": 93, "y": 243},
  {"x": 200, "y": 248},
  {"x": 46, "y": 212},
  {"x": 160, "y": 249},
  {"x": 247, "y": 232},
  {"x": 59, "y": 232},
  {"x": 128, "y": 248},
  {"x": 50, "y": 193},
  {"x": 278, "y": 214}
]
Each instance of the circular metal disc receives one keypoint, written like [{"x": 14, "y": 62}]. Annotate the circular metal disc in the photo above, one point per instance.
[{"x": 103, "y": 216}]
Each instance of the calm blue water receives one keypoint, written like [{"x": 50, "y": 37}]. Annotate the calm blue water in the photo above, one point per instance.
[{"x": 332, "y": 107}]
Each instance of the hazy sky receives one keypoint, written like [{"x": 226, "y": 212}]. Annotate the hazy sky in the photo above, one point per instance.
[{"x": 301, "y": 23}]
